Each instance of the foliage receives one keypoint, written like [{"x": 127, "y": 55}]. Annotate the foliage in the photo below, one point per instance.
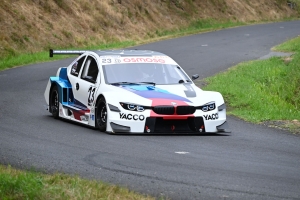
[
  {"x": 263, "y": 89},
  {"x": 17, "y": 184}
]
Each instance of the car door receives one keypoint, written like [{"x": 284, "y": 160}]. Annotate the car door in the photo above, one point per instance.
[{"x": 84, "y": 84}]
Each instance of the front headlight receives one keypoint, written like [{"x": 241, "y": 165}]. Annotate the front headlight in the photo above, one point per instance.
[
  {"x": 133, "y": 107},
  {"x": 208, "y": 107}
]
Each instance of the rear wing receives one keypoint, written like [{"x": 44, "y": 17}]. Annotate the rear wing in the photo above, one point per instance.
[{"x": 65, "y": 52}]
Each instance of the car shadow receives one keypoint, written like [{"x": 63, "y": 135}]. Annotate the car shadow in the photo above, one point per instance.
[
  {"x": 170, "y": 134},
  {"x": 143, "y": 134}
]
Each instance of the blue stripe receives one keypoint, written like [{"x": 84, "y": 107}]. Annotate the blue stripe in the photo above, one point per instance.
[
  {"x": 152, "y": 92},
  {"x": 63, "y": 73}
]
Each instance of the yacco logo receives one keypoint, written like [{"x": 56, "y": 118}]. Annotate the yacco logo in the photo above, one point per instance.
[
  {"x": 211, "y": 117},
  {"x": 132, "y": 117},
  {"x": 143, "y": 60},
  {"x": 154, "y": 93}
]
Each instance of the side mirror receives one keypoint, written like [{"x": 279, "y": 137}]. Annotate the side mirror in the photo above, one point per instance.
[{"x": 195, "y": 76}]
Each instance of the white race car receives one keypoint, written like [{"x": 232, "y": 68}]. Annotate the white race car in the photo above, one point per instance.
[{"x": 132, "y": 91}]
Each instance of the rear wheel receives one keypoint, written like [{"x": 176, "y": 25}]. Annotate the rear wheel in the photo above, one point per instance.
[
  {"x": 101, "y": 114},
  {"x": 54, "y": 102}
]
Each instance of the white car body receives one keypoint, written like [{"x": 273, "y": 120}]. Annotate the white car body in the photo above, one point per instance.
[{"x": 164, "y": 106}]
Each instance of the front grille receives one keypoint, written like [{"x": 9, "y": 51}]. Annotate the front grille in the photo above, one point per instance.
[
  {"x": 164, "y": 110},
  {"x": 161, "y": 125},
  {"x": 185, "y": 110}
]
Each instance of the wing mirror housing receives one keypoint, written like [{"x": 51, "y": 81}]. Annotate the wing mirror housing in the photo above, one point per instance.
[{"x": 195, "y": 76}]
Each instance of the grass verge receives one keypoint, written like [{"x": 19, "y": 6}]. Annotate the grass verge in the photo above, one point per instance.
[
  {"x": 17, "y": 184},
  {"x": 264, "y": 91}
]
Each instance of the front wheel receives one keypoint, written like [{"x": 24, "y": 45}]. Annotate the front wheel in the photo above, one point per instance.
[
  {"x": 54, "y": 102},
  {"x": 101, "y": 114}
]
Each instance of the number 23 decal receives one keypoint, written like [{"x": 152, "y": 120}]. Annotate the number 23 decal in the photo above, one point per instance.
[
  {"x": 91, "y": 97},
  {"x": 108, "y": 60}
]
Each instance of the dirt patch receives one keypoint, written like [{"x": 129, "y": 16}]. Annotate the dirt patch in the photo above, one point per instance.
[
  {"x": 288, "y": 125},
  {"x": 287, "y": 59},
  {"x": 287, "y": 56}
]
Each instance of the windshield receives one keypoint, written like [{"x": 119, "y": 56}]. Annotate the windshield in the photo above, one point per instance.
[{"x": 144, "y": 72}]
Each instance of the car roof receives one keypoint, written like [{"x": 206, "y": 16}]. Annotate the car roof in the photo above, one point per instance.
[{"x": 128, "y": 53}]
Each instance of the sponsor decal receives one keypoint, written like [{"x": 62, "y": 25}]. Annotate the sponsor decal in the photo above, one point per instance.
[
  {"x": 84, "y": 118},
  {"x": 92, "y": 117},
  {"x": 144, "y": 60},
  {"x": 132, "y": 117},
  {"x": 92, "y": 110},
  {"x": 211, "y": 117}
]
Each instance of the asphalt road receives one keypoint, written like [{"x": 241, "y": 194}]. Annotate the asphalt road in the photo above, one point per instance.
[{"x": 253, "y": 162}]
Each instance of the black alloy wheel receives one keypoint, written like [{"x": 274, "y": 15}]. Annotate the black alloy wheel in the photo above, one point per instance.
[
  {"x": 101, "y": 114},
  {"x": 54, "y": 102}
]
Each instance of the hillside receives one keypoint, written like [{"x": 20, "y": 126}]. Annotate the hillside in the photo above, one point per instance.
[{"x": 31, "y": 26}]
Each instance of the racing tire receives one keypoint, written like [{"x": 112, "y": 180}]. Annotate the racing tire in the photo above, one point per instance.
[
  {"x": 54, "y": 102},
  {"x": 101, "y": 114}
]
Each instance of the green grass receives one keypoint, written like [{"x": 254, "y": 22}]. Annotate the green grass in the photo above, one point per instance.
[
  {"x": 17, "y": 184},
  {"x": 262, "y": 90}
]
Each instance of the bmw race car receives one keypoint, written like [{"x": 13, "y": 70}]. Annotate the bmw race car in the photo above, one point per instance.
[{"x": 132, "y": 91}]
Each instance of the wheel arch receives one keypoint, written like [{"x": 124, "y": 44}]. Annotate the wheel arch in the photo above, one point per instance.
[{"x": 98, "y": 98}]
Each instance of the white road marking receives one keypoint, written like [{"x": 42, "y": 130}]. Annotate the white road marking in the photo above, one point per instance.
[
  {"x": 204, "y": 45},
  {"x": 181, "y": 152}
]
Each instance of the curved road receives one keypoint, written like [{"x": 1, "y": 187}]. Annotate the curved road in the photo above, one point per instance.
[{"x": 253, "y": 162}]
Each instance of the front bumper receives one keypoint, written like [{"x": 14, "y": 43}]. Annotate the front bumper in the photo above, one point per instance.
[
  {"x": 121, "y": 121},
  {"x": 161, "y": 125}
]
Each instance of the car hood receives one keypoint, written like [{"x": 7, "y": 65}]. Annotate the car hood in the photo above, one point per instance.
[{"x": 180, "y": 94}]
